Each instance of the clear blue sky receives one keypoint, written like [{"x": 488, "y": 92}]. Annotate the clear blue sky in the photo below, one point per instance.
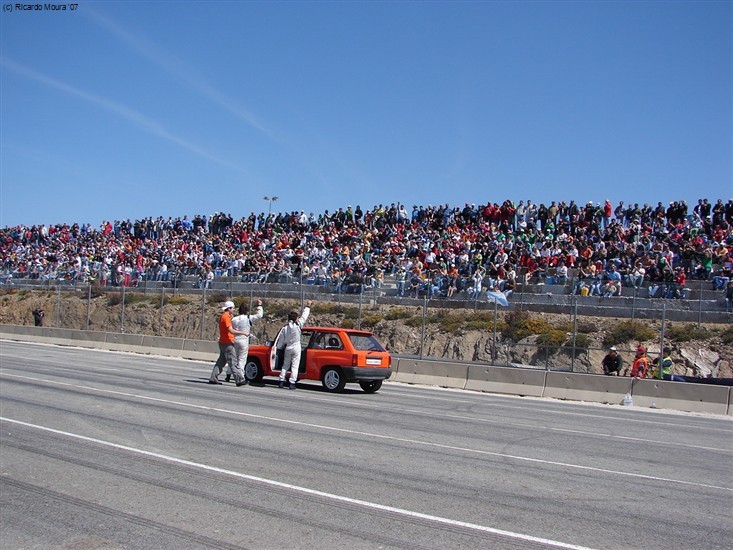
[{"x": 134, "y": 109}]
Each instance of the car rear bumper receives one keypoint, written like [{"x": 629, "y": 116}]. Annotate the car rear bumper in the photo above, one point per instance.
[{"x": 359, "y": 374}]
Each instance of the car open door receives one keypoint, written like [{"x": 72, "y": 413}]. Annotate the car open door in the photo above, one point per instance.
[{"x": 276, "y": 356}]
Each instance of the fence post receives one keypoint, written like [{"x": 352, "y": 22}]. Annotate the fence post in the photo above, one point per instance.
[
  {"x": 422, "y": 332},
  {"x": 493, "y": 341},
  {"x": 58, "y": 306},
  {"x": 661, "y": 347},
  {"x": 203, "y": 310},
  {"x": 633, "y": 305},
  {"x": 521, "y": 295},
  {"x": 89, "y": 304},
  {"x": 122, "y": 311},
  {"x": 699, "y": 308},
  {"x": 302, "y": 293},
  {"x": 575, "y": 332},
  {"x": 160, "y": 315},
  {"x": 361, "y": 295}
]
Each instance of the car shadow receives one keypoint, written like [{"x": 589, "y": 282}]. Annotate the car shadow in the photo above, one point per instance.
[
  {"x": 272, "y": 383},
  {"x": 309, "y": 385}
]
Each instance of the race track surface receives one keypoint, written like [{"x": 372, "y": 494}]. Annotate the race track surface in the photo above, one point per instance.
[{"x": 112, "y": 450}]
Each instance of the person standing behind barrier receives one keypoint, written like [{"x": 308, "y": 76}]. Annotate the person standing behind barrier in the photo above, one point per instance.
[
  {"x": 612, "y": 363},
  {"x": 227, "y": 353},
  {"x": 38, "y": 315},
  {"x": 243, "y": 323},
  {"x": 401, "y": 282},
  {"x": 663, "y": 365},
  {"x": 289, "y": 340},
  {"x": 640, "y": 366}
]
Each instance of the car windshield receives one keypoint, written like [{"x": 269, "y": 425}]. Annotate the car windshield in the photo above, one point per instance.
[{"x": 365, "y": 342}]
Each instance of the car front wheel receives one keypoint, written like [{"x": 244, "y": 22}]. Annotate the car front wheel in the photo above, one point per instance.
[
  {"x": 253, "y": 370},
  {"x": 333, "y": 379},
  {"x": 370, "y": 386}
]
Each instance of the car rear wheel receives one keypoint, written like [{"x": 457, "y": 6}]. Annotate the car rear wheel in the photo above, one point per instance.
[
  {"x": 370, "y": 386},
  {"x": 253, "y": 370},
  {"x": 333, "y": 379}
]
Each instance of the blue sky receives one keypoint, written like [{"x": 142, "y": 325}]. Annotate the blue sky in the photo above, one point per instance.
[{"x": 133, "y": 109}]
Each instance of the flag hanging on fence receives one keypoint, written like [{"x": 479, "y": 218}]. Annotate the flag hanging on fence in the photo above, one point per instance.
[{"x": 497, "y": 298}]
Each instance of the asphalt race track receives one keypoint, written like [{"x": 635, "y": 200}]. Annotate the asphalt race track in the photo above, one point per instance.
[{"x": 112, "y": 450}]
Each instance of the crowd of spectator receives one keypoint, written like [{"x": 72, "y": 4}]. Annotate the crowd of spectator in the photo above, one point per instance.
[{"x": 438, "y": 250}]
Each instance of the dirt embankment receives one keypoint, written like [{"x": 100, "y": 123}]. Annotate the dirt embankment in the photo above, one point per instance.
[{"x": 450, "y": 334}]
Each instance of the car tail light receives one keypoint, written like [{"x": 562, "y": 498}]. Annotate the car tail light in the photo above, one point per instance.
[{"x": 354, "y": 360}]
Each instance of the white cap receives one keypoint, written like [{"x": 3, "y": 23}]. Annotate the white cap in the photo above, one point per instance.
[
  {"x": 613, "y": 348},
  {"x": 227, "y": 305}
]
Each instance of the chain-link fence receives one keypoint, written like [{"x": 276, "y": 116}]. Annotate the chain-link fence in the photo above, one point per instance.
[{"x": 185, "y": 311}]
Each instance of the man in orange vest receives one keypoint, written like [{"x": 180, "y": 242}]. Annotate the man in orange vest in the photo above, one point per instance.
[{"x": 227, "y": 351}]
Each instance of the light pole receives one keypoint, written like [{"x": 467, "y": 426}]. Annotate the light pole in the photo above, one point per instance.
[{"x": 270, "y": 200}]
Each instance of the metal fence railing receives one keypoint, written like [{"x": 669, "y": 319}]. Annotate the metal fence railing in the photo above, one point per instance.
[{"x": 192, "y": 313}]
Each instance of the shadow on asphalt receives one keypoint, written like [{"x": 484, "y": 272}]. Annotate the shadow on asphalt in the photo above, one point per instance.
[{"x": 314, "y": 387}]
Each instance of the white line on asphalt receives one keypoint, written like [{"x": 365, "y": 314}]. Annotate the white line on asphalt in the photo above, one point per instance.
[
  {"x": 603, "y": 408},
  {"x": 503, "y": 422},
  {"x": 304, "y": 490},
  {"x": 380, "y": 436},
  {"x": 508, "y": 424},
  {"x": 395, "y": 391}
]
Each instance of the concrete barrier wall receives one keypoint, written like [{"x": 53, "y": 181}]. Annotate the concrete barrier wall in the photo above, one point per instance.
[
  {"x": 87, "y": 336},
  {"x": 682, "y": 396},
  {"x": 172, "y": 346},
  {"x": 89, "y": 339},
  {"x": 23, "y": 333},
  {"x": 587, "y": 387},
  {"x": 124, "y": 342},
  {"x": 507, "y": 380},
  {"x": 200, "y": 350},
  {"x": 432, "y": 373},
  {"x": 62, "y": 336}
]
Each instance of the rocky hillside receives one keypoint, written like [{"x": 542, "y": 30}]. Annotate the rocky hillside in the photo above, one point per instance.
[{"x": 462, "y": 335}]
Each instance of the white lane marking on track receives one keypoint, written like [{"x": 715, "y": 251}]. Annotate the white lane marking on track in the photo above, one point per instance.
[
  {"x": 502, "y": 422},
  {"x": 396, "y": 391},
  {"x": 601, "y": 414},
  {"x": 304, "y": 490},
  {"x": 381, "y": 436},
  {"x": 509, "y": 423}
]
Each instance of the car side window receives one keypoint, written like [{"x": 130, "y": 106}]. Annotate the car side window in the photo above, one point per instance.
[
  {"x": 305, "y": 338},
  {"x": 319, "y": 341},
  {"x": 333, "y": 341}
]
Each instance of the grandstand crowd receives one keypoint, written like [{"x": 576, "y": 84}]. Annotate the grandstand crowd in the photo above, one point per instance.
[{"x": 439, "y": 250}]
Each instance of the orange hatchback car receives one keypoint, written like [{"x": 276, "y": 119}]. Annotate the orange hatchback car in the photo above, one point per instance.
[{"x": 335, "y": 356}]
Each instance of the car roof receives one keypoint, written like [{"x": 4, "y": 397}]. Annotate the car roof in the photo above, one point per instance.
[{"x": 338, "y": 329}]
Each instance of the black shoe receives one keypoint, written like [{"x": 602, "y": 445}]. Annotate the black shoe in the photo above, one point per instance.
[
  {"x": 292, "y": 385},
  {"x": 242, "y": 382},
  {"x": 228, "y": 378},
  {"x": 215, "y": 382},
  {"x": 280, "y": 384}
]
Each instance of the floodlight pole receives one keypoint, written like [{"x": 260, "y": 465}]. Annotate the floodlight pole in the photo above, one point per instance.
[{"x": 270, "y": 200}]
